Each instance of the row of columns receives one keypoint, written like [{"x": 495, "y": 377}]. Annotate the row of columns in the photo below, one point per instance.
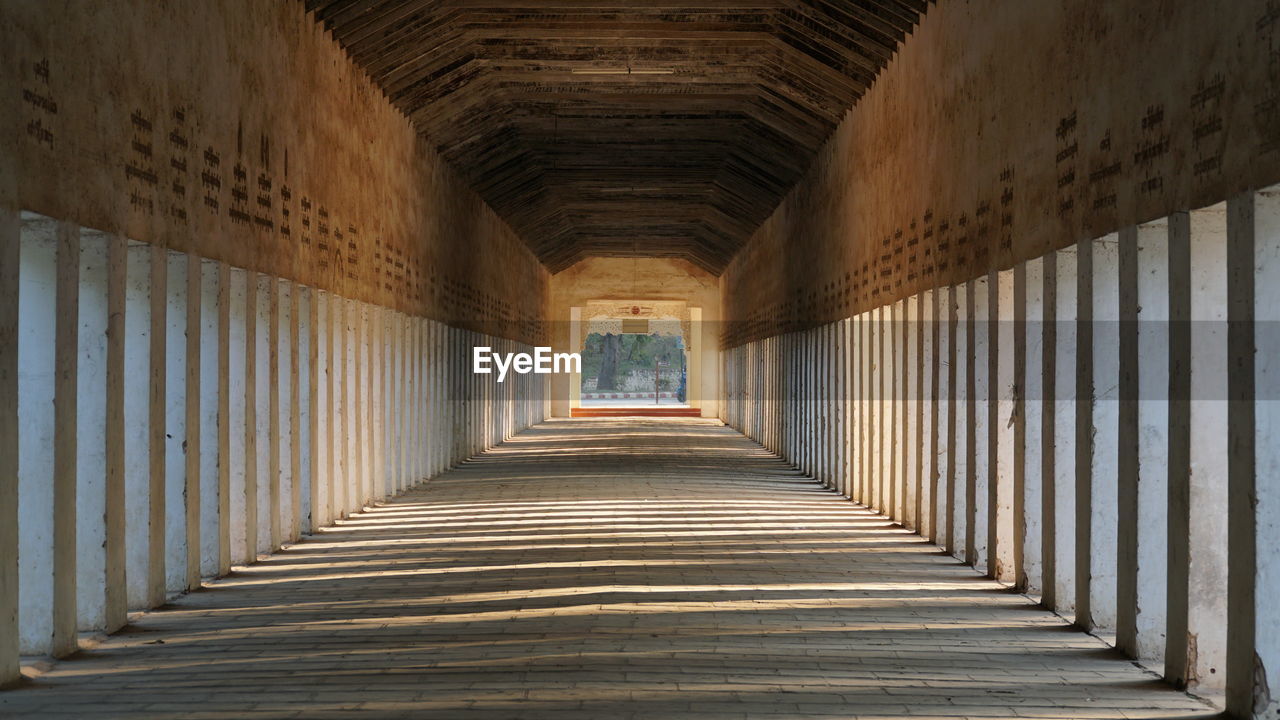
[
  {"x": 1095, "y": 426},
  {"x": 164, "y": 417}
]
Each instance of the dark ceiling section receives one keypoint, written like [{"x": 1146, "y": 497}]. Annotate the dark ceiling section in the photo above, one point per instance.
[{"x": 625, "y": 128}]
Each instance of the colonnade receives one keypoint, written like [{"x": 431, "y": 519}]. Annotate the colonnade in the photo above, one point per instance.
[
  {"x": 1095, "y": 427},
  {"x": 164, "y": 417}
]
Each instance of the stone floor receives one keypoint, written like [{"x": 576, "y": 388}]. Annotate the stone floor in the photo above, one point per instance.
[{"x": 605, "y": 569}]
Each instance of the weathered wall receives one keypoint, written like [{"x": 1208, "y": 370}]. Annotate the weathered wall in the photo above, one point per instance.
[
  {"x": 637, "y": 279},
  {"x": 1006, "y": 129},
  {"x": 238, "y": 130}
]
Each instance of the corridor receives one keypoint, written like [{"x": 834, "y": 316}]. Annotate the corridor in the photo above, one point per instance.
[{"x": 604, "y": 569}]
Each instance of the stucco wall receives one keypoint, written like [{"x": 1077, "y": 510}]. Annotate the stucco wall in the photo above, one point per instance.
[
  {"x": 238, "y": 130},
  {"x": 1006, "y": 129}
]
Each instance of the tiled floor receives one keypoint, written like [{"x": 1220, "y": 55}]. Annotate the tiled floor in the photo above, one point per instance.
[{"x": 605, "y": 569}]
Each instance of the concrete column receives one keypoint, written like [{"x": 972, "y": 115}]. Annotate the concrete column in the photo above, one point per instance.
[
  {"x": 225, "y": 459},
  {"x": 10, "y": 258},
  {"x": 67, "y": 330},
  {"x": 91, "y": 428},
  {"x": 1196, "y": 649},
  {"x": 982, "y": 466},
  {"x": 896, "y": 363},
  {"x": 321, "y": 409},
  {"x": 803, "y": 366},
  {"x": 1004, "y": 489},
  {"x": 264, "y": 380},
  {"x": 1050, "y": 570},
  {"x": 1031, "y": 379},
  {"x": 250, "y": 426},
  {"x": 1083, "y": 442},
  {"x": 846, "y": 407},
  {"x": 857, "y": 422},
  {"x": 308, "y": 398},
  {"x": 369, "y": 357},
  {"x": 1253, "y": 578},
  {"x": 295, "y": 345},
  {"x": 156, "y": 401},
  {"x": 944, "y": 447},
  {"x": 359, "y": 357},
  {"x": 958, "y": 500},
  {"x": 1104, "y": 458},
  {"x": 395, "y": 400},
  {"x": 1066, "y": 307},
  {"x": 211, "y": 343},
  {"x": 138, "y": 414},
  {"x": 174, "y": 428},
  {"x": 1140, "y": 619},
  {"x": 38, "y": 366},
  {"x": 418, "y": 347},
  {"x": 1127, "y": 467},
  {"x": 339, "y": 425},
  {"x": 1178, "y": 558},
  {"x": 192, "y": 268},
  {"x": 925, "y": 518},
  {"x": 910, "y": 406},
  {"x": 384, "y": 352},
  {"x": 880, "y": 410},
  {"x": 275, "y": 428}
]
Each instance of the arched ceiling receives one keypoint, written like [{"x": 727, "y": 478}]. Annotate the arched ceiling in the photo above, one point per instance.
[{"x": 604, "y": 127}]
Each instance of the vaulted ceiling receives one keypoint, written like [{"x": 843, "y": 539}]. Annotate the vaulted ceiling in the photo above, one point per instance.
[{"x": 667, "y": 128}]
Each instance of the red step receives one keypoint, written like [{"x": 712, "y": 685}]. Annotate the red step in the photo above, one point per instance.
[{"x": 652, "y": 411}]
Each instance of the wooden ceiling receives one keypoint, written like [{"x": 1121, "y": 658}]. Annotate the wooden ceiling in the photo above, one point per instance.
[{"x": 605, "y": 127}]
